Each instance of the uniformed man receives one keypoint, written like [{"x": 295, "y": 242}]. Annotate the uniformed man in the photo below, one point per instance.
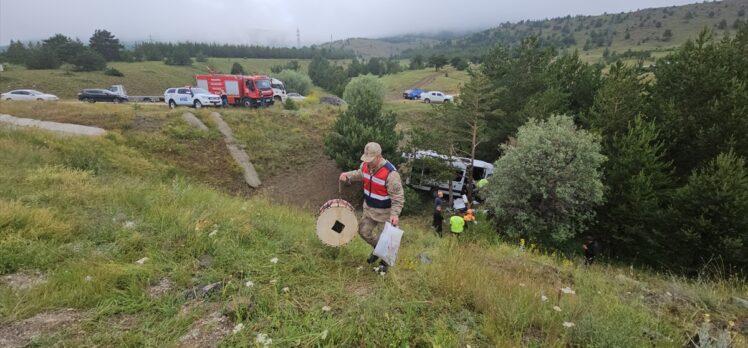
[{"x": 383, "y": 195}]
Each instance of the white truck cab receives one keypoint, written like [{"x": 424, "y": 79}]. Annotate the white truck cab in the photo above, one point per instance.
[
  {"x": 118, "y": 90},
  {"x": 279, "y": 90}
]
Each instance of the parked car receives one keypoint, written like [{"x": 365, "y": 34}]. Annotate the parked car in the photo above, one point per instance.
[
  {"x": 100, "y": 95},
  {"x": 413, "y": 94},
  {"x": 436, "y": 97},
  {"x": 191, "y": 96},
  {"x": 295, "y": 96},
  {"x": 27, "y": 94}
]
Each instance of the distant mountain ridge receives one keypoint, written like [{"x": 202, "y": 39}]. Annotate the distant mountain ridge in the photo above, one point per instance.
[{"x": 641, "y": 30}]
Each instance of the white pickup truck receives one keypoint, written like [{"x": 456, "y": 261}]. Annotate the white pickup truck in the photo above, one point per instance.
[
  {"x": 191, "y": 96},
  {"x": 436, "y": 97}
]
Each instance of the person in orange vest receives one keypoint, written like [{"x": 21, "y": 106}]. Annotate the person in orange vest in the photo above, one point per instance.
[
  {"x": 384, "y": 196},
  {"x": 469, "y": 218}
]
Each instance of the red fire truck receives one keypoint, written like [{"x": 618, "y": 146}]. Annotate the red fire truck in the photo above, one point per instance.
[{"x": 239, "y": 89}]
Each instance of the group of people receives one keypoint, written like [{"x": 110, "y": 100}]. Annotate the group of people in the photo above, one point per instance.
[{"x": 458, "y": 222}]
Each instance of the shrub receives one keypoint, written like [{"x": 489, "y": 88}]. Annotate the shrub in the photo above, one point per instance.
[
  {"x": 113, "y": 72},
  {"x": 547, "y": 183},
  {"x": 237, "y": 69},
  {"x": 295, "y": 81},
  {"x": 88, "y": 60},
  {"x": 290, "y": 105}
]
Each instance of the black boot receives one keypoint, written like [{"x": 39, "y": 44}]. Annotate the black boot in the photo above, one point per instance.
[
  {"x": 382, "y": 267},
  {"x": 372, "y": 258}
]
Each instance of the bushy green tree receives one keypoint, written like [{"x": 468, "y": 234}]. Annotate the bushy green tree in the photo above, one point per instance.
[
  {"x": 295, "y": 81},
  {"x": 88, "y": 60},
  {"x": 712, "y": 216},
  {"x": 108, "y": 45},
  {"x": 179, "y": 56},
  {"x": 200, "y": 57},
  {"x": 634, "y": 220},
  {"x": 355, "y": 68},
  {"x": 330, "y": 77},
  {"x": 65, "y": 48},
  {"x": 546, "y": 185},
  {"x": 16, "y": 53},
  {"x": 363, "y": 122},
  {"x": 42, "y": 58},
  {"x": 617, "y": 102},
  {"x": 416, "y": 62},
  {"x": 438, "y": 61},
  {"x": 237, "y": 69},
  {"x": 393, "y": 66},
  {"x": 700, "y": 100}
]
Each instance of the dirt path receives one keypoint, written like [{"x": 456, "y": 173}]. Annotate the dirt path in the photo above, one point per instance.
[
  {"x": 426, "y": 80},
  {"x": 64, "y": 128},
  {"x": 237, "y": 151}
]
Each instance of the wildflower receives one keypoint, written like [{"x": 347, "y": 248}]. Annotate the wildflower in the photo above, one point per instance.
[
  {"x": 88, "y": 278},
  {"x": 129, "y": 224},
  {"x": 326, "y": 308},
  {"x": 544, "y": 298},
  {"x": 274, "y": 260},
  {"x": 142, "y": 261},
  {"x": 568, "y": 290},
  {"x": 568, "y": 324},
  {"x": 238, "y": 327},
  {"x": 731, "y": 323},
  {"x": 286, "y": 289},
  {"x": 323, "y": 335},
  {"x": 360, "y": 268},
  {"x": 706, "y": 318},
  {"x": 263, "y": 339},
  {"x": 273, "y": 281},
  {"x": 213, "y": 233},
  {"x": 557, "y": 308},
  {"x": 249, "y": 284}
]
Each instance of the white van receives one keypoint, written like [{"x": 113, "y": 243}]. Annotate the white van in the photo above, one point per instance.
[
  {"x": 279, "y": 90},
  {"x": 419, "y": 178}
]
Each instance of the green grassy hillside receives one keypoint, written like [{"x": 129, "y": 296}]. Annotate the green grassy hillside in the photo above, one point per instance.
[
  {"x": 141, "y": 78},
  {"x": 78, "y": 217},
  {"x": 368, "y": 48},
  {"x": 642, "y": 30}
]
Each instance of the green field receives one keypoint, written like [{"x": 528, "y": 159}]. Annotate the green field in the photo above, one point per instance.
[{"x": 141, "y": 78}]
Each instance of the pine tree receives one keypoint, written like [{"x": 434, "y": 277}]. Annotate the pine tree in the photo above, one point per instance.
[{"x": 106, "y": 44}]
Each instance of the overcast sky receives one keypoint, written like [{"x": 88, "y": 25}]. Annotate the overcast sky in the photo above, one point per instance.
[{"x": 274, "y": 22}]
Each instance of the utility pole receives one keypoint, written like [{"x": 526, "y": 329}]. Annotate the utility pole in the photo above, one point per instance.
[{"x": 298, "y": 38}]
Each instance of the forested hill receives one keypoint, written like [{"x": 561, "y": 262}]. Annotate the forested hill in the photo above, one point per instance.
[{"x": 641, "y": 30}]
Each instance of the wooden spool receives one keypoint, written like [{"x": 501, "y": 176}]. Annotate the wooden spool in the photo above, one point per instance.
[{"x": 337, "y": 223}]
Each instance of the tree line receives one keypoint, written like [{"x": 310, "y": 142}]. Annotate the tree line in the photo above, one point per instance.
[{"x": 104, "y": 47}]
